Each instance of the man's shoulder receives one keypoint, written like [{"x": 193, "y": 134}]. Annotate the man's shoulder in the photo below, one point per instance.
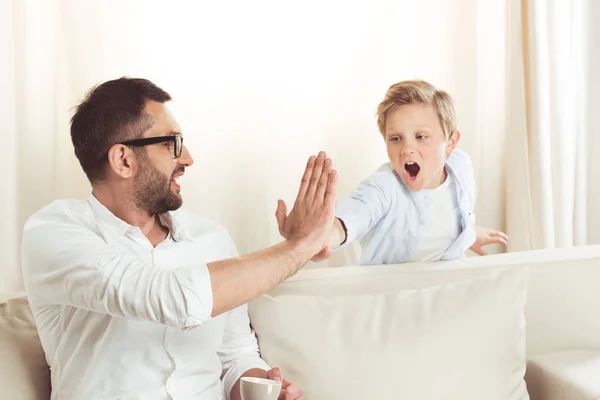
[
  {"x": 61, "y": 210},
  {"x": 197, "y": 225}
]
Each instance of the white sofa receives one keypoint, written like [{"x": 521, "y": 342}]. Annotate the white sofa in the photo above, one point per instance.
[{"x": 469, "y": 329}]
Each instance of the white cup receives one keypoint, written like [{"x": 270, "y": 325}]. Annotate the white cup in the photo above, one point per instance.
[{"x": 259, "y": 389}]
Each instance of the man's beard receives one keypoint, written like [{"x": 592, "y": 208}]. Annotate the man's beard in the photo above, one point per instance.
[{"x": 152, "y": 189}]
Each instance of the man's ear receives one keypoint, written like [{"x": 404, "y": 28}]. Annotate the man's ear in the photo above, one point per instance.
[
  {"x": 122, "y": 161},
  {"x": 452, "y": 142}
]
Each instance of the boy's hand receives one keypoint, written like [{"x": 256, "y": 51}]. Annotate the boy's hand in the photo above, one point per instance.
[{"x": 486, "y": 236}]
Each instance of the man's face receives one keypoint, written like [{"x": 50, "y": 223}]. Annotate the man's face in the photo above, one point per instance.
[
  {"x": 417, "y": 146},
  {"x": 156, "y": 190}
]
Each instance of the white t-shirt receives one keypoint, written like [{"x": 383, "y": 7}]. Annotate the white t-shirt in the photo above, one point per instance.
[{"x": 443, "y": 225}]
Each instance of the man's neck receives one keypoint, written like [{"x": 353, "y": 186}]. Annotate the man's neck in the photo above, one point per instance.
[{"x": 126, "y": 210}]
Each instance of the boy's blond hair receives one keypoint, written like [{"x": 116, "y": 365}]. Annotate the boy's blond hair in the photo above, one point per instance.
[{"x": 418, "y": 92}]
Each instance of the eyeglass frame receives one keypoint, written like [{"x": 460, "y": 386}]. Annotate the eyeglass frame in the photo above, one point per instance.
[{"x": 177, "y": 140}]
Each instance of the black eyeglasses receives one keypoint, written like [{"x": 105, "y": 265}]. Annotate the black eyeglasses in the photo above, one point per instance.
[{"x": 177, "y": 140}]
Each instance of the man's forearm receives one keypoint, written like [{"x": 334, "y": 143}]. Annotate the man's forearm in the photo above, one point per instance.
[{"x": 239, "y": 280}]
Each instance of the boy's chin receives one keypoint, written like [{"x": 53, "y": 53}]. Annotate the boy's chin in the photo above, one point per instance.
[{"x": 413, "y": 185}]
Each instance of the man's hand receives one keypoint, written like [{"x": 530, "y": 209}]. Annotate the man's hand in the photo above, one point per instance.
[
  {"x": 289, "y": 391},
  {"x": 486, "y": 236},
  {"x": 311, "y": 218}
]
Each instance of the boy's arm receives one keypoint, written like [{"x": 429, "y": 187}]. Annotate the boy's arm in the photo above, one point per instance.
[{"x": 355, "y": 215}]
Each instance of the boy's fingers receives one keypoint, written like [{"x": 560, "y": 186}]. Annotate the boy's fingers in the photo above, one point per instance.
[{"x": 479, "y": 251}]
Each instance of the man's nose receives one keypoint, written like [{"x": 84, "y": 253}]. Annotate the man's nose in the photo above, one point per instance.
[{"x": 185, "y": 158}]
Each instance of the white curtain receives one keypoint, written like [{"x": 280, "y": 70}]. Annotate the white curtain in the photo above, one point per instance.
[
  {"x": 549, "y": 141},
  {"x": 257, "y": 87}
]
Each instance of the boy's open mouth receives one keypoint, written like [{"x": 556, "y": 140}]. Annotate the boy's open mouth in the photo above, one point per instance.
[{"x": 412, "y": 168}]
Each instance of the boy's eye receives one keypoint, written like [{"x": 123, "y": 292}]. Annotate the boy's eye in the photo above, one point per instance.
[
  {"x": 394, "y": 139},
  {"x": 420, "y": 137}
]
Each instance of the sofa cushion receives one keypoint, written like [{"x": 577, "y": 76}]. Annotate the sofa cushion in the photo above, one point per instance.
[
  {"x": 573, "y": 375},
  {"x": 25, "y": 373},
  {"x": 460, "y": 340}
]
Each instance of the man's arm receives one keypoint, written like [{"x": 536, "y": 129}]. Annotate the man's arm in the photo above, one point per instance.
[
  {"x": 67, "y": 264},
  {"x": 239, "y": 352},
  {"x": 237, "y": 281}
]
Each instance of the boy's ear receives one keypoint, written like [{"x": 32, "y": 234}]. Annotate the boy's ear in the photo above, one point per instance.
[{"x": 452, "y": 142}]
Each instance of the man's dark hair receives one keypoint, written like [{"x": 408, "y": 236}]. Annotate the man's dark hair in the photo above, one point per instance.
[{"x": 112, "y": 112}]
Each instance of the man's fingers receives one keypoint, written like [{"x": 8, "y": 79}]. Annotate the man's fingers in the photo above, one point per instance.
[
  {"x": 308, "y": 171},
  {"x": 331, "y": 190},
  {"x": 316, "y": 176},
  {"x": 322, "y": 187},
  {"x": 281, "y": 215},
  {"x": 292, "y": 392},
  {"x": 275, "y": 374}
]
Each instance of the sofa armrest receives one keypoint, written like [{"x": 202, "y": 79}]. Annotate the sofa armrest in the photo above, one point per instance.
[{"x": 569, "y": 375}]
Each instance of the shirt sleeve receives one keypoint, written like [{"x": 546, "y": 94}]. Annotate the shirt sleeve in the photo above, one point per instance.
[
  {"x": 239, "y": 351},
  {"x": 67, "y": 264},
  {"x": 363, "y": 208}
]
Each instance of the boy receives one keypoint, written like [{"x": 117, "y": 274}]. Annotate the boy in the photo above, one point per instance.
[{"x": 419, "y": 206}]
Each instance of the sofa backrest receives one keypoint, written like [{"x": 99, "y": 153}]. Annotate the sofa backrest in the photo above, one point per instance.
[{"x": 563, "y": 299}]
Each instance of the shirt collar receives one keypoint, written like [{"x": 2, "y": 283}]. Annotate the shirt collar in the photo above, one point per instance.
[{"x": 118, "y": 227}]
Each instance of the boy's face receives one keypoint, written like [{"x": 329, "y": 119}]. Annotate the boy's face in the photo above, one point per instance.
[{"x": 417, "y": 146}]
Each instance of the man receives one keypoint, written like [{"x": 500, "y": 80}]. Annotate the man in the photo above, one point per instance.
[{"x": 134, "y": 300}]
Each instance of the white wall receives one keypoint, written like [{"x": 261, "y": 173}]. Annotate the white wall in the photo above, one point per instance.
[{"x": 258, "y": 87}]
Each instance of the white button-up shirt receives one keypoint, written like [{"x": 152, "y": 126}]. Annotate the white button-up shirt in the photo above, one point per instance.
[{"x": 121, "y": 319}]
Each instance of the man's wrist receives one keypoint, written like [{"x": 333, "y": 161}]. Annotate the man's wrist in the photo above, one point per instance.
[{"x": 300, "y": 251}]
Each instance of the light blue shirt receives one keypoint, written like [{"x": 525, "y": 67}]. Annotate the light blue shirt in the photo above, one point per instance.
[{"x": 389, "y": 219}]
